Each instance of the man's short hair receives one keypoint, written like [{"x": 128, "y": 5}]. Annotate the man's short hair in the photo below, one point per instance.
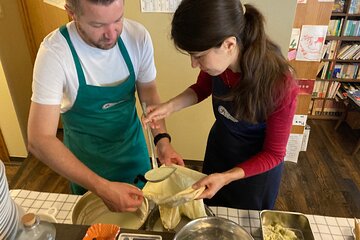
[{"x": 74, "y": 5}]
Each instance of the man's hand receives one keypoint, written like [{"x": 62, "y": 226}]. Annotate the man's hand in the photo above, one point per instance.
[
  {"x": 166, "y": 153},
  {"x": 121, "y": 197}
]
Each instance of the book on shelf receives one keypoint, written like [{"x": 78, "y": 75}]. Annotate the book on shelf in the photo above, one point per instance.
[
  {"x": 333, "y": 108},
  {"x": 320, "y": 88},
  {"x": 347, "y": 86},
  {"x": 325, "y": 49},
  {"x": 334, "y": 87},
  {"x": 358, "y": 74},
  {"x": 348, "y": 51},
  {"x": 338, "y": 6},
  {"x": 343, "y": 49},
  {"x": 332, "y": 49},
  {"x": 354, "y": 7},
  {"x": 345, "y": 71},
  {"x": 331, "y": 68},
  {"x": 352, "y": 28},
  {"x": 354, "y": 94},
  {"x": 341, "y": 94},
  {"x": 334, "y": 28}
]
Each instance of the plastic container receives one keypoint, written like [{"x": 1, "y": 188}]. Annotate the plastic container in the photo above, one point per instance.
[{"x": 34, "y": 229}]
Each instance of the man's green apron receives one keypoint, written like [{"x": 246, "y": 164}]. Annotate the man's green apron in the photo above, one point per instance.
[{"x": 102, "y": 128}]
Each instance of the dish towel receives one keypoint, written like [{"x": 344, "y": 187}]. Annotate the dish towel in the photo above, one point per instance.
[{"x": 175, "y": 196}]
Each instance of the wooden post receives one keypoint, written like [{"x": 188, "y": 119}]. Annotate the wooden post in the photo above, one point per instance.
[
  {"x": 4, "y": 153},
  {"x": 311, "y": 13}
]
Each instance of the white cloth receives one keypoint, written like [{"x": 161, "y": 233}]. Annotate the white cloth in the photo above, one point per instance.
[
  {"x": 175, "y": 196},
  {"x": 55, "y": 78}
]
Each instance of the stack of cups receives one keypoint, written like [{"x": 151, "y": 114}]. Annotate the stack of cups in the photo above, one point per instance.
[{"x": 9, "y": 211}]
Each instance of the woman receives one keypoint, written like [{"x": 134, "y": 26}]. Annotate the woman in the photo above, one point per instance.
[{"x": 254, "y": 99}]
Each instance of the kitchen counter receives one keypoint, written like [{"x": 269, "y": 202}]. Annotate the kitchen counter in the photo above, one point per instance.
[{"x": 323, "y": 227}]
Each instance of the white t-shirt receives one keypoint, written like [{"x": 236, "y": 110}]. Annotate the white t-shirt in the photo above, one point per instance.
[{"x": 55, "y": 78}]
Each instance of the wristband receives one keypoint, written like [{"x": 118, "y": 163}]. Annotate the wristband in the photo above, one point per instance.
[{"x": 160, "y": 136}]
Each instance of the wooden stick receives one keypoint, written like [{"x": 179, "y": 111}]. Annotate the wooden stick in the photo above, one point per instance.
[{"x": 357, "y": 229}]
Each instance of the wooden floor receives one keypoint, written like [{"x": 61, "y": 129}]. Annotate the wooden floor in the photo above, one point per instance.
[{"x": 325, "y": 181}]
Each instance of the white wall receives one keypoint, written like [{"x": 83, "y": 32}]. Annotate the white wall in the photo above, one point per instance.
[{"x": 280, "y": 15}]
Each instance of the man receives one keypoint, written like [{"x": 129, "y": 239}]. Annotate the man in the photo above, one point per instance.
[{"x": 88, "y": 71}]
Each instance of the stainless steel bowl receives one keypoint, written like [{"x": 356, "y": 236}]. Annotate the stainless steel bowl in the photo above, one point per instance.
[
  {"x": 90, "y": 209},
  {"x": 212, "y": 228},
  {"x": 298, "y": 223}
]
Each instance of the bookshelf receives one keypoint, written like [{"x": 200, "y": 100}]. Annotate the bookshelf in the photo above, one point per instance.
[{"x": 339, "y": 69}]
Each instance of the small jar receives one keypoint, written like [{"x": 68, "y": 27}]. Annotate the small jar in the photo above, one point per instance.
[{"x": 34, "y": 229}]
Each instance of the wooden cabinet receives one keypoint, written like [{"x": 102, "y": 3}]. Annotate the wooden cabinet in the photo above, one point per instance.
[{"x": 341, "y": 61}]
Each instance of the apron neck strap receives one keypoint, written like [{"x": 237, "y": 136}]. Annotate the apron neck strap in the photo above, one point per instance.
[
  {"x": 79, "y": 70},
  {"x": 126, "y": 56}
]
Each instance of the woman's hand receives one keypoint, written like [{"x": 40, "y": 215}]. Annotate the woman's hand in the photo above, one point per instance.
[
  {"x": 155, "y": 113},
  {"x": 214, "y": 182}
]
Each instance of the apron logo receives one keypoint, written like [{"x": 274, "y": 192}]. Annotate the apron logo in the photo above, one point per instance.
[
  {"x": 222, "y": 110},
  {"x": 109, "y": 105}
]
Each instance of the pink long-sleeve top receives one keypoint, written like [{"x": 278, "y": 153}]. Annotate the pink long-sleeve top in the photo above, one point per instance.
[{"x": 278, "y": 124}]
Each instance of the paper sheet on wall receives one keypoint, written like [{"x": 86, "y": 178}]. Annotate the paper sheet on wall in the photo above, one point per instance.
[
  {"x": 56, "y": 3},
  {"x": 294, "y": 40},
  {"x": 299, "y": 120},
  {"x": 165, "y": 6},
  {"x": 292, "y": 54},
  {"x": 311, "y": 42}
]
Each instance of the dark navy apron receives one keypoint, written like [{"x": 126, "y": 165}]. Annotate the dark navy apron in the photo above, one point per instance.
[
  {"x": 102, "y": 128},
  {"x": 231, "y": 142}
]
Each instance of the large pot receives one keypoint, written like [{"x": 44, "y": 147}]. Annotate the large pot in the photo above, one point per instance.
[
  {"x": 212, "y": 228},
  {"x": 90, "y": 209}
]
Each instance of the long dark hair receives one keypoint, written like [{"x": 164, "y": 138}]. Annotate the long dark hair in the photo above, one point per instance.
[{"x": 199, "y": 25}]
